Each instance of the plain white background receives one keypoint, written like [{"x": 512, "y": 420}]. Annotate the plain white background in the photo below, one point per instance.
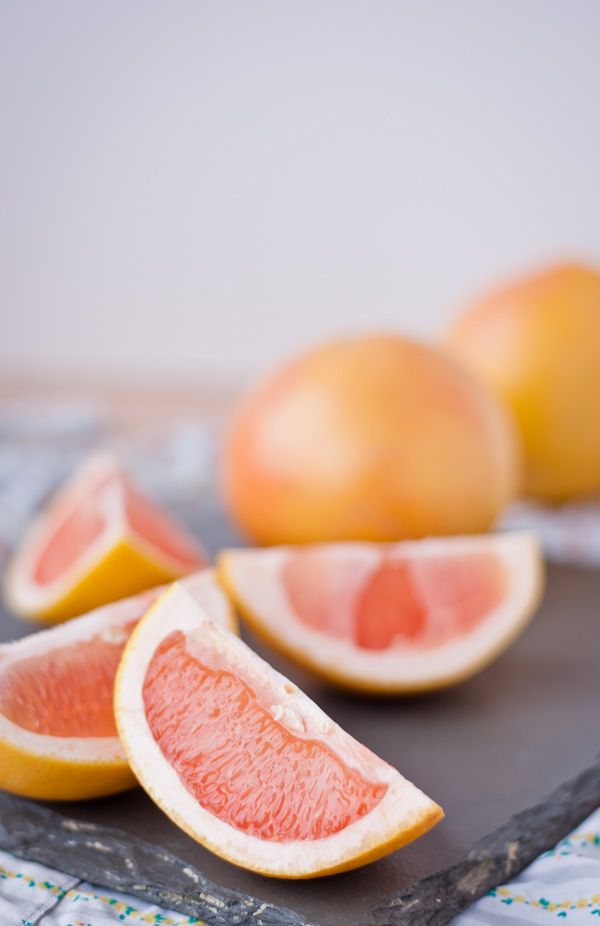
[{"x": 195, "y": 190}]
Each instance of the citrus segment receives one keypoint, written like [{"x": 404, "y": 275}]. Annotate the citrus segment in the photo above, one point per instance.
[
  {"x": 389, "y": 617},
  {"x": 428, "y": 600},
  {"x": 185, "y": 703},
  {"x": 77, "y": 532},
  {"x": 58, "y": 737},
  {"x": 245, "y": 762},
  {"x": 98, "y": 540},
  {"x": 67, "y": 692},
  {"x": 153, "y": 526}
]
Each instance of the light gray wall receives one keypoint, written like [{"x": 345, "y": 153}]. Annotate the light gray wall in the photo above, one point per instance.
[{"x": 194, "y": 189}]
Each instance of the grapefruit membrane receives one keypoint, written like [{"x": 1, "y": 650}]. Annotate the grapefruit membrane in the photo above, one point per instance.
[
  {"x": 398, "y": 618},
  {"x": 97, "y": 540},
  {"x": 244, "y": 762},
  {"x": 58, "y": 738}
]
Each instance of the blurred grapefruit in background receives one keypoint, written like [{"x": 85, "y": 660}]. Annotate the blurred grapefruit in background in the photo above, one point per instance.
[
  {"x": 536, "y": 344},
  {"x": 372, "y": 438}
]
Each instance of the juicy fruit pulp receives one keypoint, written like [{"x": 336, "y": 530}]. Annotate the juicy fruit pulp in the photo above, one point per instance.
[
  {"x": 390, "y": 618},
  {"x": 67, "y": 692},
  {"x": 425, "y": 602},
  {"x": 58, "y": 736},
  {"x": 90, "y": 518},
  {"x": 77, "y": 532},
  {"x": 244, "y": 762},
  {"x": 98, "y": 540},
  {"x": 376, "y": 439},
  {"x": 238, "y": 761}
]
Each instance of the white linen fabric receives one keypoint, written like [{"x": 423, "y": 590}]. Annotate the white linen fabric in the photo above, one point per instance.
[
  {"x": 34, "y": 895},
  {"x": 562, "y": 885}
]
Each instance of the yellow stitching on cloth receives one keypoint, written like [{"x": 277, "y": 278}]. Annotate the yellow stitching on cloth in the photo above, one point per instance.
[
  {"x": 506, "y": 896},
  {"x": 155, "y": 919}
]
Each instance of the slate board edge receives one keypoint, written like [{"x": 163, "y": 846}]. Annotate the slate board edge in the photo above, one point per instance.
[{"x": 113, "y": 859}]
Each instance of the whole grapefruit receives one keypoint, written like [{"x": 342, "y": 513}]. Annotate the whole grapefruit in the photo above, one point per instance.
[
  {"x": 374, "y": 438},
  {"x": 536, "y": 344}
]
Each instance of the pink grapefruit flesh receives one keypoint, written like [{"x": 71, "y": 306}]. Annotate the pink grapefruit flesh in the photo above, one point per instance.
[
  {"x": 208, "y": 723},
  {"x": 391, "y": 618},
  {"x": 78, "y": 531},
  {"x": 58, "y": 736},
  {"x": 149, "y": 522},
  {"x": 86, "y": 522},
  {"x": 423, "y": 601},
  {"x": 244, "y": 761},
  {"x": 67, "y": 692},
  {"x": 98, "y": 540}
]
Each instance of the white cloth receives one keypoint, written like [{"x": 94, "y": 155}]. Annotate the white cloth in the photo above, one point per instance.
[
  {"x": 34, "y": 895},
  {"x": 561, "y": 885}
]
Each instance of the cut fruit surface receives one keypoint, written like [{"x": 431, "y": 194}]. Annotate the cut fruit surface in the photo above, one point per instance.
[
  {"x": 58, "y": 737},
  {"x": 246, "y": 763},
  {"x": 402, "y": 617},
  {"x": 98, "y": 540}
]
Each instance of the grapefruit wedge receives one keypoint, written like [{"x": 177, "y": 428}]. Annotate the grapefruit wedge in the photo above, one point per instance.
[
  {"x": 98, "y": 540},
  {"x": 397, "y": 618},
  {"x": 246, "y": 763},
  {"x": 58, "y": 738}
]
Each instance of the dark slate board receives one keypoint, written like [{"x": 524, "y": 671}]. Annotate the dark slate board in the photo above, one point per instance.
[
  {"x": 485, "y": 750},
  {"x": 121, "y": 861}
]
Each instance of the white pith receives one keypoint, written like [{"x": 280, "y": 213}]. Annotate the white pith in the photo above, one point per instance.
[
  {"x": 108, "y": 619},
  {"x": 24, "y": 594},
  {"x": 255, "y": 578},
  {"x": 402, "y": 807}
]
